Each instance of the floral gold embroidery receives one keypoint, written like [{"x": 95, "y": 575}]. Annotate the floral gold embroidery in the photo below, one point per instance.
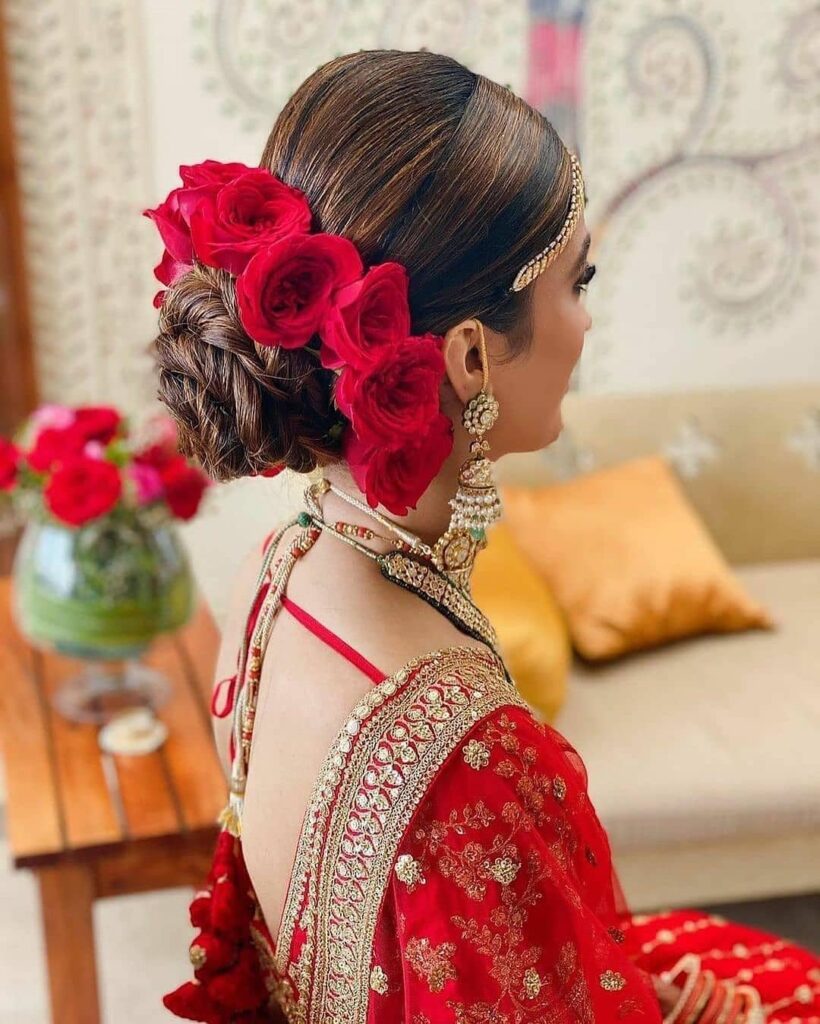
[
  {"x": 512, "y": 962},
  {"x": 616, "y": 934},
  {"x": 567, "y": 961},
  {"x": 559, "y": 787},
  {"x": 476, "y": 754},
  {"x": 378, "y": 980},
  {"x": 362, "y": 811},
  {"x": 532, "y": 983},
  {"x": 409, "y": 871},
  {"x": 612, "y": 981},
  {"x": 503, "y": 870},
  {"x": 433, "y": 963}
]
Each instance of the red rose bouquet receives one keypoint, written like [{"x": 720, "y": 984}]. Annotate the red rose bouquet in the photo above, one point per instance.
[
  {"x": 80, "y": 464},
  {"x": 100, "y": 570},
  {"x": 295, "y": 284}
]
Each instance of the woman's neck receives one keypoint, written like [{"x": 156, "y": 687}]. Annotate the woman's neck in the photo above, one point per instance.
[{"x": 428, "y": 521}]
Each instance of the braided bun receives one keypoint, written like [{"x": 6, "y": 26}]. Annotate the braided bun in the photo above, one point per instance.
[{"x": 240, "y": 408}]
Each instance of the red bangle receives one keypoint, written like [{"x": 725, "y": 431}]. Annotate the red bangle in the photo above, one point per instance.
[
  {"x": 689, "y": 966},
  {"x": 720, "y": 999},
  {"x": 698, "y": 996},
  {"x": 734, "y": 1009}
]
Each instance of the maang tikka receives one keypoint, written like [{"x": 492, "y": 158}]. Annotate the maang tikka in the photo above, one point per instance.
[{"x": 476, "y": 504}]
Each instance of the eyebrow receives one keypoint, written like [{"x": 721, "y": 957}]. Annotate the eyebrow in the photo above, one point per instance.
[{"x": 582, "y": 257}]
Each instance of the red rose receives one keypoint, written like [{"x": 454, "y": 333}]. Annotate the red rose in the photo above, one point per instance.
[
  {"x": 173, "y": 229},
  {"x": 366, "y": 316},
  {"x": 174, "y": 225},
  {"x": 184, "y": 486},
  {"x": 397, "y": 478},
  {"x": 211, "y": 172},
  {"x": 157, "y": 455},
  {"x": 96, "y": 422},
  {"x": 286, "y": 289},
  {"x": 397, "y": 396},
  {"x": 81, "y": 489},
  {"x": 230, "y": 225},
  {"x": 10, "y": 458},
  {"x": 54, "y": 444},
  {"x": 178, "y": 257}
]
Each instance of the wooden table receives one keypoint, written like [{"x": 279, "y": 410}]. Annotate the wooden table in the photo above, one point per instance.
[{"x": 91, "y": 824}]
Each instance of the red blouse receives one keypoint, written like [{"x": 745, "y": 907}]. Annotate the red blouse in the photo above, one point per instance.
[{"x": 452, "y": 870}]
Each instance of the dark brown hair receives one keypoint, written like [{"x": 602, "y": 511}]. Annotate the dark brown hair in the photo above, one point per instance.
[{"x": 414, "y": 158}]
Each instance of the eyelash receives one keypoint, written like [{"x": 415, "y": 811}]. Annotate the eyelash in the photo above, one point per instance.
[{"x": 585, "y": 278}]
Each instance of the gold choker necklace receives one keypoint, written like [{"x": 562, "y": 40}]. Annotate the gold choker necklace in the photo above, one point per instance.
[{"x": 411, "y": 569}]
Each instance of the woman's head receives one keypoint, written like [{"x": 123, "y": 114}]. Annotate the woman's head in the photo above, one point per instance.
[{"x": 417, "y": 160}]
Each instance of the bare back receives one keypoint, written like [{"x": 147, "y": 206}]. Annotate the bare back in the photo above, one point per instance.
[{"x": 307, "y": 690}]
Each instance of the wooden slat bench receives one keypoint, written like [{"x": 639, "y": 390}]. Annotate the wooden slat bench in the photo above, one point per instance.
[{"x": 92, "y": 824}]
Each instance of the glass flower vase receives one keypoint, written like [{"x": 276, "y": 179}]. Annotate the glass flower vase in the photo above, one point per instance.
[{"x": 101, "y": 593}]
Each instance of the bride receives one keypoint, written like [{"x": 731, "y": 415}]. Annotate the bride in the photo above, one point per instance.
[{"x": 394, "y": 299}]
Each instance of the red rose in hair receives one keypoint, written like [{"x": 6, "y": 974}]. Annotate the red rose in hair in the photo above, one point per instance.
[
  {"x": 397, "y": 478},
  {"x": 211, "y": 172},
  {"x": 286, "y": 289},
  {"x": 82, "y": 489},
  {"x": 184, "y": 486},
  {"x": 366, "y": 316},
  {"x": 230, "y": 225},
  {"x": 173, "y": 224},
  {"x": 178, "y": 257},
  {"x": 397, "y": 396},
  {"x": 10, "y": 458}
]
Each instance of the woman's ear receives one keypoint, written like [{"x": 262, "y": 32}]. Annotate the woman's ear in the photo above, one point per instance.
[{"x": 463, "y": 359}]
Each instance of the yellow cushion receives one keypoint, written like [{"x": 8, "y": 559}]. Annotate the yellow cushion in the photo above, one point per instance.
[
  {"x": 531, "y": 631},
  {"x": 628, "y": 559}
]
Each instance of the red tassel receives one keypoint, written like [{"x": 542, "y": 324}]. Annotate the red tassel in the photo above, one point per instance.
[
  {"x": 199, "y": 910},
  {"x": 191, "y": 1002},
  {"x": 241, "y": 987},
  {"x": 230, "y": 985},
  {"x": 212, "y": 953}
]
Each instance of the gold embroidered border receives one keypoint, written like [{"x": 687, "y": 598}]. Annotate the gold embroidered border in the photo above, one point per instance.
[
  {"x": 400, "y": 750},
  {"x": 310, "y": 840}
]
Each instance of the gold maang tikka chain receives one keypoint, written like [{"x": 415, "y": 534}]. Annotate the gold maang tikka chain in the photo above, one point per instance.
[{"x": 476, "y": 504}]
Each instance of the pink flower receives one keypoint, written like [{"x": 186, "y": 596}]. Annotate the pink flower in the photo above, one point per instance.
[
  {"x": 94, "y": 450},
  {"x": 51, "y": 414},
  {"x": 148, "y": 482}
]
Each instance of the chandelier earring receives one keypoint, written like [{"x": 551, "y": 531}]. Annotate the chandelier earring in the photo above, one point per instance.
[{"x": 476, "y": 504}]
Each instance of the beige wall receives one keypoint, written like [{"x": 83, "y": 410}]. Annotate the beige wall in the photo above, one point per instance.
[{"x": 696, "y": 135}]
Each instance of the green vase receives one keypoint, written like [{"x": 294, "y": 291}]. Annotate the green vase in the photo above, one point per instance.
[{"x": 102, "y": 592}]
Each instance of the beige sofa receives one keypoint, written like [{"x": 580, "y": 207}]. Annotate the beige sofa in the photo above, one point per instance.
[{"x": 704, "y": 755}]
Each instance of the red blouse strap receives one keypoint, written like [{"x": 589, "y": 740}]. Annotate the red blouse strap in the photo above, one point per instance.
[{"x": 332, "y": 640}]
